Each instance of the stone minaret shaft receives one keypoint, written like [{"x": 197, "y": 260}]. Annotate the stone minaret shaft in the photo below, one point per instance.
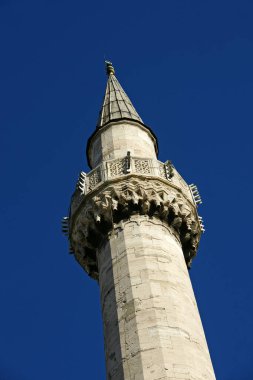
[{"x": 134, "y": 227}]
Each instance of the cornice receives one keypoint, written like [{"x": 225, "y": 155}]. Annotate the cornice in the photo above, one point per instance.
[{"x": 117, "y": 200}]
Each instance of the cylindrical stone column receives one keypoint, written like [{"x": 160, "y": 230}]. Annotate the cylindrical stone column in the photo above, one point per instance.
[
  {"x": 152, "y": 328},
  {"x": 115, "y": 139},
  {"x": 134, "y": 227}
]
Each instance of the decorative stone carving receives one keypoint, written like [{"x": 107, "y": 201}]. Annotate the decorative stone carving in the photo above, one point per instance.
[
  {"x": 117, "y": 167},
  {"x": 128, "y": 164},
  {"x": 142, "y": 166},
  {"x": 100, "y": 213},
  {"x": 94, "y": 178}
]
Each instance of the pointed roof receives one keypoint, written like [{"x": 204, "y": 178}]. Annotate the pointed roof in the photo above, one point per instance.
[{"x": 116, "y": 104}]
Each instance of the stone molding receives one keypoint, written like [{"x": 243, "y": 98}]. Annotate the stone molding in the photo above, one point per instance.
[{"x": 99, "y": 214}]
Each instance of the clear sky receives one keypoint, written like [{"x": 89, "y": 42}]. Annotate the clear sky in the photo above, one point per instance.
[{"x": 187, "y": 66}]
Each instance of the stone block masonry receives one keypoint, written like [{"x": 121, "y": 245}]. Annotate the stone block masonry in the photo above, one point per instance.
[
  {"x": 156, "y": 331},
  {"x": 134, "y": 227}
]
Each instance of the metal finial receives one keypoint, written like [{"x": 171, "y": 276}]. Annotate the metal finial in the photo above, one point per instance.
[{"x": 109, "y": 68}]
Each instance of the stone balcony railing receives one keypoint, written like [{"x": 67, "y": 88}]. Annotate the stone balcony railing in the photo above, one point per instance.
[
  {"x": 119, "y": 167},
  {"x": 128, "y": 165},
  {"x": 114, "y": 171}
]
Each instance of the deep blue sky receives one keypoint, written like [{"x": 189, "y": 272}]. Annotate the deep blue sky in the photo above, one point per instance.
[{"x": 188, "y": 68}]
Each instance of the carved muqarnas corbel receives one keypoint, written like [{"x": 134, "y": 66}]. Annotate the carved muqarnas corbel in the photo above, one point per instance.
[{"x": 119, "y": 201}]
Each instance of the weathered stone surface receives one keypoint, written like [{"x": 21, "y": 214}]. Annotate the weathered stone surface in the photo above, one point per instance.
[
  {"x": 117, "y": 201},
  {"x": 134, "y": 227},
  {"x": 117, "y": 138},
  {"x": 151, "y": 320}
]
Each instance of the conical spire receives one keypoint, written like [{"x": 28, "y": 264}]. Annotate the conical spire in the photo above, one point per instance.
[{"x": 116, "y": 104}]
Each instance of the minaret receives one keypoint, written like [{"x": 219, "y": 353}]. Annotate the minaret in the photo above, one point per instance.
[{"x": 134, "y": 228}]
